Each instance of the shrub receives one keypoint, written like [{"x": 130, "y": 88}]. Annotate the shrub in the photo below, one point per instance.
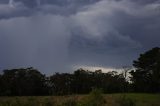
[
  {"x": 95, "y": 98},
  {"x": 124, "y": 101}
]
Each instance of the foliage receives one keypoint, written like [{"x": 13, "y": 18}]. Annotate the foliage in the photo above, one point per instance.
[
  {"x": 125, "y": 101},
  {"x": 30, "y": 82},
  {"x": 95, "y": 98},
  {"x": 146, "y": 77},
  {"x": 19, "y": 82}
]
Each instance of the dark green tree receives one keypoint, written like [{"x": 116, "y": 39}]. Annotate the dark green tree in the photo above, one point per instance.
[
  {"x": 23, "y": 81},
  {"x": 61, "y": 83},
  {"x": 146, "y": 77}
]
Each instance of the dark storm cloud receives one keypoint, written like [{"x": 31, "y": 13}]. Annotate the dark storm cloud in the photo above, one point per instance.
[
  {"x": 21, "y": 8},
  {"x": 145, "y": 1},
  {"x": 118, "y": 31},
  {"x": 55, "y": 35}
]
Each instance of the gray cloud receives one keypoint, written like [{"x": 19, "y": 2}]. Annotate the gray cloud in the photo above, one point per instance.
[
  {"x": 39, "y": 41},
  {"x": 119, "y": 32},
  {"x": 54, "y": 36},
  {"x": 20, "y": 8}
]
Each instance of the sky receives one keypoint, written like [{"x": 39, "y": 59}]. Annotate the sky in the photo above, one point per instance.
[{"x": 61, "y": 35}]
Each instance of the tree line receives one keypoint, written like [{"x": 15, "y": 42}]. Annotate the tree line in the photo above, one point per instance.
[{"x": 29, "y": 81}]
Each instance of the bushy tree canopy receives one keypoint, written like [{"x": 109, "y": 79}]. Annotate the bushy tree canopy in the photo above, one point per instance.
[{"x": 146, "y": 77}]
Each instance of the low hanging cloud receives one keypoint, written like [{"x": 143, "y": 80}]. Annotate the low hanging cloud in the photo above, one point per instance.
[{"x": 53, "y": 37}]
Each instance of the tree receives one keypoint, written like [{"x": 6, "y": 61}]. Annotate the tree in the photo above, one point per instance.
[
  {"x": 146, "y": 77},
  {"x": 23, "y": 81},
  {"x": 29, "y": 82},
  {"x": 61, "y": 83},
  {"x": 82, "y": 82}
]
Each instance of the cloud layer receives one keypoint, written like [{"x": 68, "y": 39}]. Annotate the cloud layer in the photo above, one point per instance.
[{"x": 56, "y": 36}]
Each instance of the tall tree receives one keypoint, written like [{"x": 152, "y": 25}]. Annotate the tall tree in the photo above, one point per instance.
[
  {"x": 23, "y": 81},
  {"x": 146, "y": 77}
]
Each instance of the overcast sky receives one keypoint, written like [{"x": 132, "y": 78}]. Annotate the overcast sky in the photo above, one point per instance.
[{"x": 59, "y": 35}]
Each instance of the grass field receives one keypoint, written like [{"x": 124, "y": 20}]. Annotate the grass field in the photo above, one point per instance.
[
  {"x": 139, "y": 99},
  {"x": 78, "y": 100}
]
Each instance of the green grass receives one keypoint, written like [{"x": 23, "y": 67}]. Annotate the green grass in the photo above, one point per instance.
[
  {"x": 140, "y": 99},
  {"x": 110, "y": 100}
]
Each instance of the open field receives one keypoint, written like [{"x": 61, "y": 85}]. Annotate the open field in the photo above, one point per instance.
[
  {"x": 78, "y": 100},
  {"x": 139, "y": 99}
]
